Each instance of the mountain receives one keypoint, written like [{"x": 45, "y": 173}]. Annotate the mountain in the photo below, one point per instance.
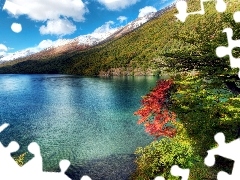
[
  {"x": 79, "y": 43},
  {"x": 16, "y": 55},
  {"x": 132, "y": 26},
  {"x": 60, "y": 46},
  {"x": 132, "y": 50}
]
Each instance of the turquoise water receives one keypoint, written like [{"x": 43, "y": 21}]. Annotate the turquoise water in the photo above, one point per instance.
[{"x": 88, "y": 121}]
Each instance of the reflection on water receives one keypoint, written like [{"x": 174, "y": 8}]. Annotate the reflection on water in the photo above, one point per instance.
[{"x": 84, "y": 120}]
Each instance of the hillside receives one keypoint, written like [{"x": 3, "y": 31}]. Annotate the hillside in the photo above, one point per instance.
[
  {"x": 140, "y": 52},
  {"x": 126, "y": 53}
]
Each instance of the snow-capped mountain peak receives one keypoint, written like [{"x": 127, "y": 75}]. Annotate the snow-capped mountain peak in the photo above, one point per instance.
[{"x": 101, "y": 34}]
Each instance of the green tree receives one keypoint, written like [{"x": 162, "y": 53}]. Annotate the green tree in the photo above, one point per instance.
[
  {"x": 199, "y": 37},
  {"x": 204, "y": 97}
]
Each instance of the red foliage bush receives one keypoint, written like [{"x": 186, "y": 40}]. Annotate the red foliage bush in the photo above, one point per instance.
[{"x": 154, "y": 113}]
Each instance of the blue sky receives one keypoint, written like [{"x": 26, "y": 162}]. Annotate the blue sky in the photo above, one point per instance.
[{"x": 27, "y": 23}]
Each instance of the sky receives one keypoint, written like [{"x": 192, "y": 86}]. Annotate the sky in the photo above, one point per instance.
[{"x": 38, "y": 23}]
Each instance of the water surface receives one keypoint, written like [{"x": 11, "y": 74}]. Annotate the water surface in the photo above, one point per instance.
[{"x": 88, "y": 121}]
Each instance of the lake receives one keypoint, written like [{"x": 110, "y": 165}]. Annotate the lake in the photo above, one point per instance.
[{"x": 88, "y": 121}]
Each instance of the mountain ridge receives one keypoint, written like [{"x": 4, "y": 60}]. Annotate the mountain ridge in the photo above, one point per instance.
[
  {"x": 124, "y": 52},
  {"x": 83, "y": 41}
]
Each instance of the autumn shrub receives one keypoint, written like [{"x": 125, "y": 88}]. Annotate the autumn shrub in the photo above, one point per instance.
[{"x": 155, "y": 114}]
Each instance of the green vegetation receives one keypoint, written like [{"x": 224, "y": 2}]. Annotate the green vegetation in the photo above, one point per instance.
[
  {"x": 205, "y": 102},
  {"x": 149, "y": 49},
  {"x": 205, "y": 98},
  {"x": 158, "y": 157},
  {"x": 203, "y": 108},
  {"x": 138, "y": 52},
  {"x": 160, "y": 43},
  {"x": 20, "y": 159}
]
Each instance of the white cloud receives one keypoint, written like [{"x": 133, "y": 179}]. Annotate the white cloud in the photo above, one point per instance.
[
  {"x": 104, "y": 31},
  {"x": 3, "y": 47},
  {"x": 45, "y": 44},
  {"x": 146, "y": 10},
  {"x": 101, "y": 31},
  {"x": 42, "y": 10},
  {"x": 59, "y": 27},
  {"x": 122, "y": 19},
  {"x": 117, "y": 4},
  {"x": 104, "y": 28},
  {"x": 17, "y": 28},
  {"x": 51, "y": 11}
]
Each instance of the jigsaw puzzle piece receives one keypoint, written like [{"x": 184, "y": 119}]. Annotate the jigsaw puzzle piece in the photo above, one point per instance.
[
  {"x": 7, "y": 162},
  {"x": 9, "y": 169},
  {"x": 5, "y": 156},
  {"x": 177, "y": 171},
  {"x": 222, "y": 51},
  {"x": 236, "y": 16},
  {"x": 223, "y": 176},
  {"x": 210, "y": 159},
  {"x": 221, "y": 6},
  {"x": 159, "y": 178},
  {"x": 57, "y": 175},
  {"x": 182, "y": 9},
  {"x": 227, "y": 150},
  {"x": 35, "y": 165},
  {"x": 64, "y": 164},
  {"x": 3, "y": 126},
  {"x": 86, "y": 178}
]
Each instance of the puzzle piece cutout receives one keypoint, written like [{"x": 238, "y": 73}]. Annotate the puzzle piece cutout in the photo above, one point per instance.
[
  {"x": 33, "y": 169},
  {"x": 4, "y": 126},
  {"x": 86, "y": 178},
  {"x": 177, "y": 171},
  {"x": 182, "y": 8},
  {"x": 227, "y": 150},
  {"x": 236, "y": 16},
  {"x": 222, "y": 51}
]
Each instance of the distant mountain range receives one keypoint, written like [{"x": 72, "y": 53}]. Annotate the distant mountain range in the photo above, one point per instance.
[
  {"x": 78, "y": 43},
  {"x": 134, "y": 49}
]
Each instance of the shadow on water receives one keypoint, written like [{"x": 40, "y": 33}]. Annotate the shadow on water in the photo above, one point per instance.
[{"x": 118, "y": 167}]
